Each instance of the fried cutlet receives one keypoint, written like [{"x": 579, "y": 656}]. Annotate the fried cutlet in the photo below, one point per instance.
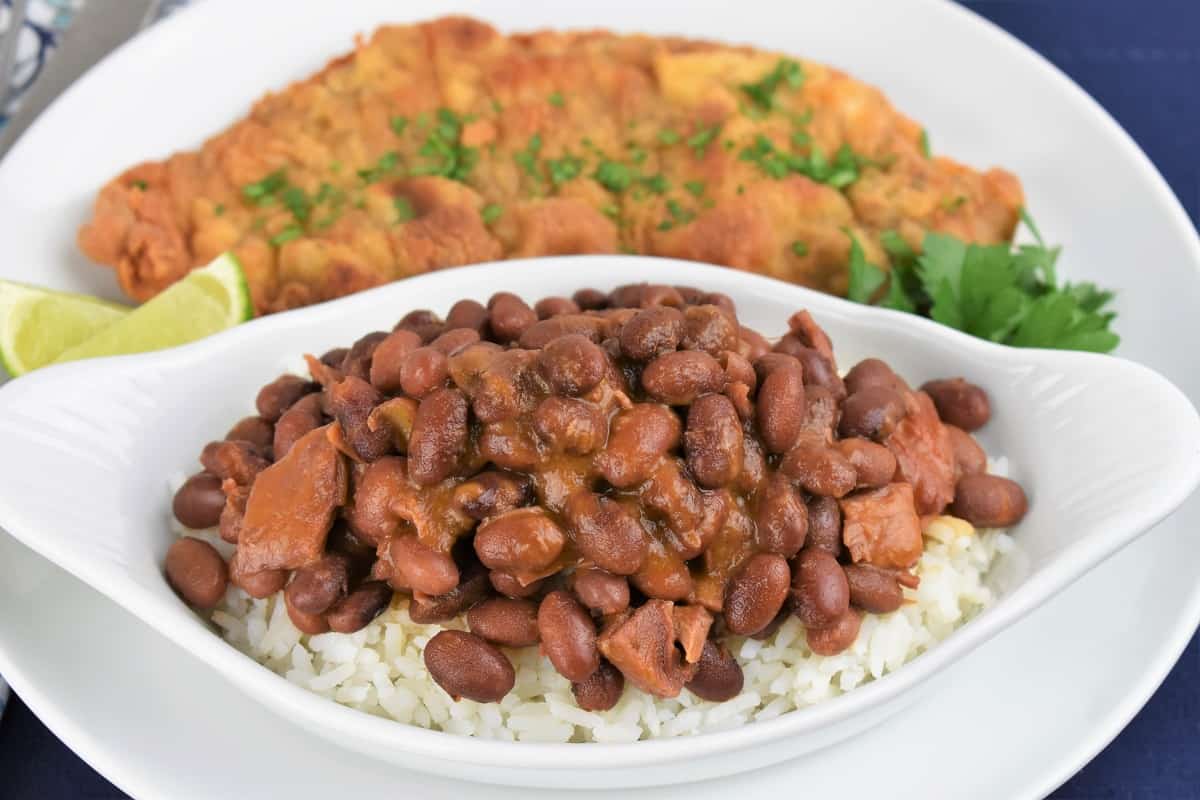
[{"x": 447, "y": 143}]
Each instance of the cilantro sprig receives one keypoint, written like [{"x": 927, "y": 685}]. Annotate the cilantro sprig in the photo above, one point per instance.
[{"x": 1007, "y": 295}]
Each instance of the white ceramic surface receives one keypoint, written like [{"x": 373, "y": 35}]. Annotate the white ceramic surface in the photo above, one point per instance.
[
  {"x": 1105, "y": 447},
  {"x": 47, "y": 181}
]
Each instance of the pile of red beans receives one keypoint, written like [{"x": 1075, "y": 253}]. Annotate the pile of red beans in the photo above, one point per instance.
[{"x": 620, "y": 478}]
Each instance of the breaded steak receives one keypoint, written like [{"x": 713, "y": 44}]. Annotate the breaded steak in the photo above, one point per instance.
[{"x": 447, "y": 143}]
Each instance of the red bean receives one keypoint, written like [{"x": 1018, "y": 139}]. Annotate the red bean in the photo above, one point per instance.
[
  {"x": 780, "y": 517},
  {"x": 279, "y": 395},
  {"x": 713, "y": 441},
  {"x": 825, "y": 525},
  {"x": 468, "y": 314},
  {"x": 819, "y": 469},
  {"x": 959, "y": 403},
  {"x": 873, "y": 463},
  {"x": 873, "y": 373},
  {"x": 718, "y": 676},
  {"x": 969, "y": 457},
  {"x": 509, "y": 586},
  {"x": 311, "y": 624},
  {"x": 549, "y": 307},
  {"x": 872, "y": 413},
  {"x": 710, "y": 329},
  {"x": 259, "y": 585},
  {"x": 356, "y": 610},
  {"x": 302, "y": 418},
  {"x": 589, "y": 299},
  {"x": 423, "y": 370},
  {"x": 873, "y": 589},
  {"x": 422, "y": 568},
  {"x": 196, "y": 572},
  {"x": 568, "y": 636},
  {"x": 491, "y": 493},
  {"x": 439, "y": 437},
  {"x": 455, "y": 339},
  {"x": 504, "y": 621},
  {"x": 257, "y": 430},
  {"x": 780, "y": 406},
  {"x": 316, "y": 587},
  {"x": 466, "y": 666},
  {"x": 199, "y": 501},
  {"x": 819, "y": 588},
  {"x": 755, "y": 593},
  {"x": 638, "y": 438},
  {"x": 570, "y": 425},
  {"x": 509, "y": 316},
  {"x": 572, "y": 365},
  {"x": 651, "y": 332},
  {"x": 472, "y": 589},
  {"x": 989, "y": 501},
  {"x": 680, "y": 377},
  {"x": 601, "y": 690},
  {"x": 422, "y": 322},
  {"x": 606, "y": 533},
  {"x": 525, "y": 540},
  {"x": 601, "y": 591},
  {"x": 837, "y": 637}
]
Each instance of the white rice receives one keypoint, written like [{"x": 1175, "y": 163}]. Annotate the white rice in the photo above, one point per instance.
[{"x": 381, "y": 670}]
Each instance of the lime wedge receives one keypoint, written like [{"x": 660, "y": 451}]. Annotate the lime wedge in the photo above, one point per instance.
[
  {"x": 38, "y": 325},
  {"x": 208, "y": 300}
]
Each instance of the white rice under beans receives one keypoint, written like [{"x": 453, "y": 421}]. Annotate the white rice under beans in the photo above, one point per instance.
[{"x": 381, "y": 669}]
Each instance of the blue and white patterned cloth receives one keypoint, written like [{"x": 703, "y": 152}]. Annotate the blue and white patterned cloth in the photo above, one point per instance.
[{"x": 46, "y": 20}]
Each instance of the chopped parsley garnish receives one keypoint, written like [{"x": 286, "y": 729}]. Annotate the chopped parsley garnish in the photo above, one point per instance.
[
  {"x": 611, "y": 211},
  {"x": 925, "y": 143},
  {"x": 694, "y": 188},
  {"x": 335, "y": 167},
  {"x": 266, "y": 187},
  {"x": 423, "y": 119},
  {"x": 556, "y": 99},
  {"x": 800, "y": 248},
  {"x": 786, "y": 71},
  {"x": 700, "y": 140},
  {"x": 398, "y": 124},
  {"x": 777, "y": 164},
  {"x": 668, "y": 136},
  {"x": 564, "y": 169},
  {"x": 656, "y": 183},
  {"x": 219, "y": 209},
  {"x": 297, "y": 202},
  {"x": 496, "y": 106},
  {"x": 679, "y": 213},
  {"x": 286, "y": 235},
  {"x": 613, "y": 175},
  {"x": 666, "y": 225},
  {"x": 801, "y": 139},
  {"x": 140, "y": 185},
  {"x": 448, "y": 157},
  {"x": 386, "y": 163},
  {"x": 995, "y": 292},
  {"x": 637, "y": 154},
  {"x": 323, "y": 193},
  {"x": 527, "y": 159},
  {"x": 490, "y": 213},
  {"x": 404, "y": 209},
  {"x": 326, "y": 222}
]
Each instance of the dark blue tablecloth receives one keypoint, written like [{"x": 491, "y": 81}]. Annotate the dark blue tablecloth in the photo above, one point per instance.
[{"x": 1141, "y": 60}]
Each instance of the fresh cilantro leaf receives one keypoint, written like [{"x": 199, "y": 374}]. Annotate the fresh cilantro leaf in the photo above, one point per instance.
[
  {"x": 399, "y": 123},
  {"x": 490, "y": 213},
  {"x": 527, "y": 159},
  {"x": 286, "y": 235},
  {"x": 925, "y": 144},
  {"x": 656, "y": 183},
  {"x": 668, "y": 136},
  {"x": 865, "y": 278},
  {"x": 700, "y": 140},
  {"x": 556, "y": 99},
  {"x": 564, "y": 169},
  {"x": 801, "y": 249},
  {"x": 694, "y": 188}
]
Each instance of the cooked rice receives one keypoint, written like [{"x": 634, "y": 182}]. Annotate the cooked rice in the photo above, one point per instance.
[{"x": 380, "y": 669}]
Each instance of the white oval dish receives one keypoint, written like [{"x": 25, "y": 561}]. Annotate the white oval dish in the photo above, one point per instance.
[{"x": 1105, "y": 447}]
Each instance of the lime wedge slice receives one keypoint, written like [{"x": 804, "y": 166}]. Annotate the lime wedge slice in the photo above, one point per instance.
[
  {"x": 207, "y": 301},
  {"x": 38, "y": 325}
]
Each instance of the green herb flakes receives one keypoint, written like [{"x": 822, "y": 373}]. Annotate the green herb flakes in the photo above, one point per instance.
[
  {"x": 800, "y": 248},
  {"x": 613, "y": 175},
  {"x": 694, "y": 188},
  {"x": 398, "y": 124},
  {"x": 761, "y": 93},
  {"x": 404, "y": 209},
  {"x": 700, "y": 140},
  {"x": 490, "y": 213},
  {"x": 556, "y": 99},
  {"x": 668, "y": 136},
  {"x": 286, "y": 235}
]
